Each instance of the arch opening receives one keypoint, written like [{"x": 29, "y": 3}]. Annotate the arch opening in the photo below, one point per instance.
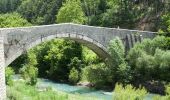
[{"x": 92, "y": 44}]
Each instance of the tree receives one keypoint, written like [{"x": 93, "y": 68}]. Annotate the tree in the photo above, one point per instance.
[
  {"x": 29, "y": 71},
  {"x": 118, "y": 71},
  {"x": 12, "y": 20},
  {"x": 8, "y": 75},
  {"x": 74, "y": 76},
  {"x": 40, "y": 11},
  {"x": 149, "y": 60},
  {"x": 117, "y": 51},
  {"x": 96, "y": 74},
  {"x": 71, "y": 11},
  {"x": 9, "y": 5},
  {"x": 165, "y": 25},
  {"x": 56, "y": 62}
]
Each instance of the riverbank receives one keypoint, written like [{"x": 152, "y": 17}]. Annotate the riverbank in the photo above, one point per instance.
[
  {"x": 79, "y": 92},
  {"x": 48, "y": 90},
  {"x": 22, "y": 91}
]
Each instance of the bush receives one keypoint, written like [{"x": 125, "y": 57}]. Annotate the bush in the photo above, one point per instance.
[
  {"x": 74, "y": 76},
  {"x": 96, "y": 74},
  {"x": 30, "y": 74},
  {"x": 168, "y": 43},
  {"x": 8, "y": 76},
  {"x": 117, "y": 52},
  {"x": 123, "y": 73},
  {"x": 145, "y": 66},
  {"x": 89, "y": 57},
  {"x": 13, "y": 94},
  {"x": 76, "y": 63},
  {"x": 165, "y": 25},
  {"x": 122, "y": 93},
  {"x": 29, "y": 71},
  {"x": 168, "y": 89},
  {"x": 149, "y": 60},
  {"x": 162, "y": 66},
  {"x": 57, "y": 60},
  {"x": 118, "y": 71},
  {"x": 166, "y": 97}
]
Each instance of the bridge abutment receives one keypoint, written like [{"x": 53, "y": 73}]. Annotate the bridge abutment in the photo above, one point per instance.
[{"x": 2, "y": 70}]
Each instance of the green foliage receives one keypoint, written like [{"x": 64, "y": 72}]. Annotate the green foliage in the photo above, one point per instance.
[
  {"x": 55, "y": 60},
  {"x": 165, "y": 25},
  {"x": 30, "y": 74},
  {"x": 122, "y": 93},
  {"x": 168, "y": 89},
  {"x": 123, "y": 73},
  {"x": 150, "y": 60},
  {"x": 29, "y": 71},
  {"x": 8, "y": 76},
  {"x": 95, "y": 74},
  {"x": 117, "y": 51},
  {"x": 74, "y": 76},
  {"x": 118, "y": 71},
  {"x": 12, "y": 20},
  {"x": 76, "y": 63},
  {"x": 9, "y": 5},
  {"x": 89, "y": 57},
  {"x": 18, "y": 63},
  {"x": 40, "y": 11},
  {"x": 71, "y": 11},
  {"x": 166, "y": 97},
  {"x": 22, "y": 91},
  {"x": 162, "y": 59}
]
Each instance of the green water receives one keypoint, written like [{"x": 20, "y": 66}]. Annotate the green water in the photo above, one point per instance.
[{"x": 84, "y": 91}]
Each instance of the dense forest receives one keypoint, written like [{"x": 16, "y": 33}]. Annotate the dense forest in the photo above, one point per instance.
[{"x": 146, "y": 64}]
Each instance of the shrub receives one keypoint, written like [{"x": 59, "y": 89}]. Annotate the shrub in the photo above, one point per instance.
[
  {"x": 119, "y": 71},
  {"x": 8, "y": 75},
  {"x": 122, "y": 93},
  {"x": 76, "y": 63},
  {"x": 134, "y": 54},
  {"x": 117, "y": 52},
  {"x": 89, "y": 57},
  {"x": 96, "y": 74},
  {"x": 13, "y": 94},
  {"x": 30, "y": 74},
  {"x": 166, "y": 97},
  {"x": 144, "y": 66},
  {"x": 168, "y": 89},
  {"x": 74, "y": 76},
  {"x": 123, "y": 73},
  {"x": 149, "y": 60},
  {"x": 29, "y": 71},
  {"x": 162, "y": 59}
]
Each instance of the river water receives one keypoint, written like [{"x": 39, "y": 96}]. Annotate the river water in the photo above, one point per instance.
[
  {"x": 63, "y": 87},
  {"x": 84, "y": 91}
]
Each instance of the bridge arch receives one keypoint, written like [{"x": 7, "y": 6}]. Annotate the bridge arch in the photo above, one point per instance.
[
  {"x": 92, "y": 44},
  {"x": 14, "y": 41}
]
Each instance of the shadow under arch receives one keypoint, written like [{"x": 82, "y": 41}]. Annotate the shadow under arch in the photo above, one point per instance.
[{"x": 92, "y": 44}]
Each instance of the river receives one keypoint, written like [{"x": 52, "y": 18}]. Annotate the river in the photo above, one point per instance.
[{"x": 84, "y": 91}]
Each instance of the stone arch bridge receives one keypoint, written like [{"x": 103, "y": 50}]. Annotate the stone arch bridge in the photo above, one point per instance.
[{"x": 14, "y": 41}]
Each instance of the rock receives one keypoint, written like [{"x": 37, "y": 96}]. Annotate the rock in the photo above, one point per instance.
[{"x": 86, "y": 84}]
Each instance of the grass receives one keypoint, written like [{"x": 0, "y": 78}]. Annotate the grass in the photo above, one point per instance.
[
  {"x": 21, "y": 91},
  {"x": 129, "y": 93}
]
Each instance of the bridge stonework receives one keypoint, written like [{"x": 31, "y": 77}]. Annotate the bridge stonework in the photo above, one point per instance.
[
  {"x": 2, "y": 70},
  {"x": 15, "y": 41}
]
